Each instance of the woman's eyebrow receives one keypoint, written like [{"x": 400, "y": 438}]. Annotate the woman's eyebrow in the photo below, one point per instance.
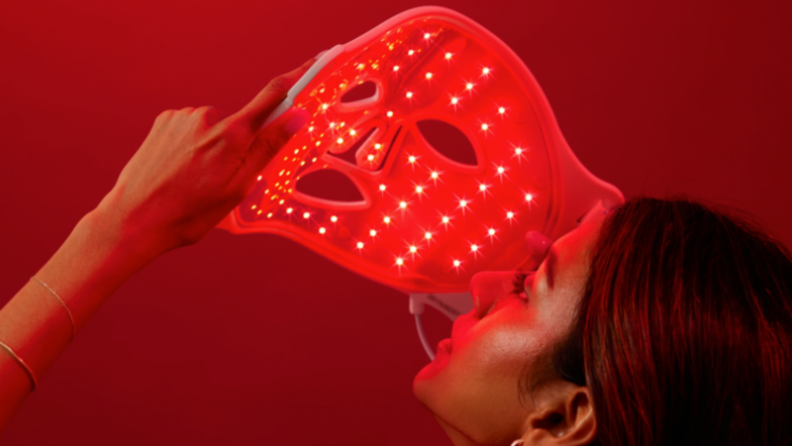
[{"x": 552, "y": 258}]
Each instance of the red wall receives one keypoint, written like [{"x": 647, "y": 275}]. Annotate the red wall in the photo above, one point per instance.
[{"x": 254, "y": 339}]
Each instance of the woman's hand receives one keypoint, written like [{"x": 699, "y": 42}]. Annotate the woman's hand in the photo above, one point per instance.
[
  {"x": 191, "y": 170},
  {"x": 194, "y": 167}
]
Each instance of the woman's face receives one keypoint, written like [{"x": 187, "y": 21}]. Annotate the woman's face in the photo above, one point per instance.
[{"x": 472, "y": 386}]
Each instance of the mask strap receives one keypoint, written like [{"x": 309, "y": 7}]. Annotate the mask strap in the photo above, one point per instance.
[{"x": 452, "y": 305}]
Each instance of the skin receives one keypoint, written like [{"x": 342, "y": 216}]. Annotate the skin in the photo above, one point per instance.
[
  {"x": 192, "y": 169},
  {"x": 472, "y": 386}
]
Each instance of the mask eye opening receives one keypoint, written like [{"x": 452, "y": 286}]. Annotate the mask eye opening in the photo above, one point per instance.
[{"x": 449, "y": 142}]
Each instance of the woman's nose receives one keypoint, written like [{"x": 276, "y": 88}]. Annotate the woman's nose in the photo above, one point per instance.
[
  {"x": 538, "y": 244},
  {"x": 488, "y": 287}
]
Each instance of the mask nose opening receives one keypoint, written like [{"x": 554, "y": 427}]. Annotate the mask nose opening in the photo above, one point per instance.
[{"x": 362, "y": 95}]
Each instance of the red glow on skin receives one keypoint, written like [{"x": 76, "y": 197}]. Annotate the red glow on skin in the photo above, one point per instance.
[{"x": 501, "y": 336}]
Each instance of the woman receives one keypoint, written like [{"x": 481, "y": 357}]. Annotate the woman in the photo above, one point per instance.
[{"x": 659, "y": 323}]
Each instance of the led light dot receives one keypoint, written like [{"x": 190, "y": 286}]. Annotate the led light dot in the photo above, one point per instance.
[
  {"x": 510, "y": 215},
  {"x": 448, "y": 56},
  {"x": 485, "y": 71},
  {"x": 457, "y": 263},
  {"x": 427, "y": 35},
  {"x": 324, "y": 106},
  {"x": 491, "y": 231},
  {"x": 409, "y": 94},
  {"x": 454, "y": 100},
  {"x": 382, "y": 187},
  {"x": 501, "y": 169},
  {"x": 482, "y": 187},
  {"x": 413, "y": 249},
  {"x": 399, "y": 261},
  {"x": 387, "y": 220},
  {"x": 334, "y": 219},
  {"x": 289, "y": 210},
  {"x": 412, "y": 158},
  {"x": 306, "y": 215},
  {"x": 463, "y": 203},
  {"x": 360, "y": 245},
  {"x": 322, "y": 230},
  {"x": 428, "y": 236},
  {"x": 445, "y": 219},
  {"x": 390, "y": 114},
  {"x": 418, "y": 189},
  {"x": 411, "y": 52},
  {"x": 352, "y": 132},
  {"x": 484, "y": 126},
  {"x": 434, "y": 175},
  {"x": 340, "y": 140},
  {"x": 474, "y": 248},
  {"x": 501, "y": 110},
  {"x": 378, "y": 146},
  {"x": 528, "y": 197},
  {"x": 518, "y": 151},
  {"x": 403, "y": 204},
  {"x": 259, "y": 178},
  {"x": 310, "y": 129},
  {"x": 396, "y": 68},
  {"x": 428, "y": 75},
  {"x": 332, "y": 125},
  {"x": 371, "y": 157},
  {"x": 269, "y": 215},
  {"x": 469, "y": 86},
  {"x": 373, "y": 233}
]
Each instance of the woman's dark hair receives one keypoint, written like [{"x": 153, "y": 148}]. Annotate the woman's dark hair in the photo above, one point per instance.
[{"x": 684, "y": 333}]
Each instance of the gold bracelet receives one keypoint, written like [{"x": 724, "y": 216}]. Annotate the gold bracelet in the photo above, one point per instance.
[
  {"x": 33, "y": 380},
  {"x": 71, "y": 318}
]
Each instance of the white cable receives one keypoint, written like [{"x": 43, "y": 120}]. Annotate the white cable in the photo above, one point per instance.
[{"x": 422, "y": 336}]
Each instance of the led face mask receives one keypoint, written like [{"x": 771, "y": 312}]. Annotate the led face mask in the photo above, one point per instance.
[{"x": 432, "y": 151}]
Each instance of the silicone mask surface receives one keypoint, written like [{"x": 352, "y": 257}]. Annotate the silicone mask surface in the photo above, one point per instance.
[{"x": 423, "y": 219}]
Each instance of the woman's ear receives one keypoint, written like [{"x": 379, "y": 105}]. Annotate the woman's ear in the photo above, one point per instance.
[{"x": 563, "y": 415}]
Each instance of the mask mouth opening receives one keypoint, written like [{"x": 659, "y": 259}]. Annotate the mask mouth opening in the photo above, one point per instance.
[{"x": 330, "y": 185}]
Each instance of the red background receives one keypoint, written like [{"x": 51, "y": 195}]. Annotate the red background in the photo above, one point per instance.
[{"x": 256, "y": 340}]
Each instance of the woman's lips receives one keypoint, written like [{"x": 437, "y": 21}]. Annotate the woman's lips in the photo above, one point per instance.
[{"x": 446, "y": 344}]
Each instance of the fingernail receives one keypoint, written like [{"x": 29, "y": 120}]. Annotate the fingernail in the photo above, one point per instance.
[
  {"x": 297, "y": 121},
  {"x": 538, "y": 244}
]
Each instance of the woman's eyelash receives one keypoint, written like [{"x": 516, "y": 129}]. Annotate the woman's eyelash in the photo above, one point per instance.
[{"x": 518, "y": 282}]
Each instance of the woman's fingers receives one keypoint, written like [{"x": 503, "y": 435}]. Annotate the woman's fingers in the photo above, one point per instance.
[
  {"x": 272, "y": 138},
  {"x": 253, "y": 115}
]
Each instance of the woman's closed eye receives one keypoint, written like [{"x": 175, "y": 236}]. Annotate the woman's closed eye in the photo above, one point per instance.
[{"x": 518, "y": 285}]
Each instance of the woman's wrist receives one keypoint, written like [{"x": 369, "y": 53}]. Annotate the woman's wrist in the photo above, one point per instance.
[{"x": 99, "y": 255}]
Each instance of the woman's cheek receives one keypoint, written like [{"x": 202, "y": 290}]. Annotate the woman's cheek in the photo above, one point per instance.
[{"x": 506, "y": 339}]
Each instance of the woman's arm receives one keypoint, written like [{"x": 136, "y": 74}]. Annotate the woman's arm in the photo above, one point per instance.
[{"x": 192, "y": 169}]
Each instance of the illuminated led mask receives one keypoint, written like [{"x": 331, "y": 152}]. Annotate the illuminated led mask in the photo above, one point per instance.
[{"x": 431, "y": 152}]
